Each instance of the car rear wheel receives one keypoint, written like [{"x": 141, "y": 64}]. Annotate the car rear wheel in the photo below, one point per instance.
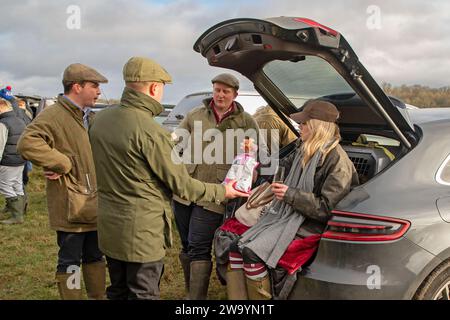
[{"x": 437, "y": 285}]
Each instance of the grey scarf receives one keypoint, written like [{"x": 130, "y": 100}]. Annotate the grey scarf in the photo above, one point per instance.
[{"x": 272, "y": 234}]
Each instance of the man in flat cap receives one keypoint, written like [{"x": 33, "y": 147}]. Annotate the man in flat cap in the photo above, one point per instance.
[
  {"x": 197, "y": 222},
  {"x": 58, "y": 141},
  {"x": 136, "y": 175}
]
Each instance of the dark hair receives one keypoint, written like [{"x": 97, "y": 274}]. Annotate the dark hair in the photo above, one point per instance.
[{"x": 68, "y": 86}]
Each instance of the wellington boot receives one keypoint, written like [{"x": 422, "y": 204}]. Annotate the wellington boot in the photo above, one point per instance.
[
  {"x": 259, "y": 289},
  {"x": 186, "y": 265},
  {"x": 6, "y": 209},
  {"x": 16, "y": 205},
  {"x": 94, "y": 276},
  {"x": 236, "y": 287},
  {"x": 65, "y": 292},
  {"x": 199, "y": 279}
]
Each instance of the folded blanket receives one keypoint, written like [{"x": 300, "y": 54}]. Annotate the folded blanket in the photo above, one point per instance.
[{"x": 296, "y": 255}]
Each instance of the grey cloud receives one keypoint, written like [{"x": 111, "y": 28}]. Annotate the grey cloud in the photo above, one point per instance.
[{"x": 36, "y": 46}]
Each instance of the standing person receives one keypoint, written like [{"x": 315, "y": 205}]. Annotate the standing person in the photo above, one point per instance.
[
  {"x": 11, "y": 163},
  {"x": 278, "y": 133},
  {"x": 6, "y": 93},
  {"x": 198, "y": 221},
  {"x": 137, "y": 177},
  {"x": 58, "y": 141},
  {"x": 26, "y": 115}
]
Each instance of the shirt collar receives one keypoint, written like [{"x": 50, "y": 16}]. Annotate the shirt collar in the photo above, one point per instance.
[
  {"x": 229, "y": 111},
  {"x": 85, "y": 110}
]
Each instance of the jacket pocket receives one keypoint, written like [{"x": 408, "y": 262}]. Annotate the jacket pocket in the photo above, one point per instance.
[{"x": 81, "y": 202}]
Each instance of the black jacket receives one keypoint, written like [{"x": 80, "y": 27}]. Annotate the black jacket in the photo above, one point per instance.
[{"x": 15, "y": 126}]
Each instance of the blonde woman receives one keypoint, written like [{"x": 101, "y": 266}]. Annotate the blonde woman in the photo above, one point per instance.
[{"x": 287, "y": 235}]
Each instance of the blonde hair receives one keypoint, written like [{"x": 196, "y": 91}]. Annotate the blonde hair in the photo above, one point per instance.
[
  {"x": 322, "y": 132},
  {"x": 5, "y": 105}
]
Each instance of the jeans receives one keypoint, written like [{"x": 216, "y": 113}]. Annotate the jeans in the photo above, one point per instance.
[
  {"x": 134, "y": 281},
  {"x": 77, "y": 248},
  {"x": 196, "y": 227}
]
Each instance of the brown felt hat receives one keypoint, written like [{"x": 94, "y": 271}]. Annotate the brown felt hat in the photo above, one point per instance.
[
  {"x": 227, "y": 79},
  {"x": 316, "y": 109},
  {"x": 78, "y": 72}
]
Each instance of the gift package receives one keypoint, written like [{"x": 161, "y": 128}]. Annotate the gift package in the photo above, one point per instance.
[{"x": 243, "y": 167}]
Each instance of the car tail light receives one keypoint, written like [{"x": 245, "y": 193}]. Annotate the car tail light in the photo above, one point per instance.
[
  {"x": 313, "y": 23},
  {"x": 363, "y": 227}
]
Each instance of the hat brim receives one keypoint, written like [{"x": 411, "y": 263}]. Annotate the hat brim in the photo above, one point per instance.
[{"x": 300, "y": 117}]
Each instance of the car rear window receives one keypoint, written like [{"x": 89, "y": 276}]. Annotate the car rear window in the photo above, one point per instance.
[
  {"x": 443, "y": 174},
  {"x": 307, "y": 78}
]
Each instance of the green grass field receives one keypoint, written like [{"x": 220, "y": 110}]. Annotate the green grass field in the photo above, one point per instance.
[{"x": 28, "y": 254}]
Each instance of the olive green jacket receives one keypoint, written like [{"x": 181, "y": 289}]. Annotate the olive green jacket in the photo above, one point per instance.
[
  {"x": 57, "y": 141},
  {"x": 137, "y": 176},
  {"x": 215, "y": 172}
]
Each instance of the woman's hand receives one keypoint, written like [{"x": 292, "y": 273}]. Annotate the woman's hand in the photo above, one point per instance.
[{"x": 279, "y": 190}]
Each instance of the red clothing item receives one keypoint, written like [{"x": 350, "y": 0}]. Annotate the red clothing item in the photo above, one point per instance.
[
  {"x": 226, "y": 114},
  {"x": 234, "y": 226},
  {"x": 297, "y": 254}
]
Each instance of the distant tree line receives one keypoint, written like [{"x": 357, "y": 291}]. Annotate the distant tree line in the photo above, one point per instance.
[
  {"x": 417, "y": 95},
  {"x": 420, "y": 96}
]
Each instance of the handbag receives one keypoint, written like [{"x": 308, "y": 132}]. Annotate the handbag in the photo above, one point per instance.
[{"x": 250, "y": 212}]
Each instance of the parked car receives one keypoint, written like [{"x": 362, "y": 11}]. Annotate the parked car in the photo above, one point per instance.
[
  {"x": 36, "y": 103},
  {"x": 389, "y": 238},
  {"x": 159, "y": 118},
  {"x": 250, "y": 101},
  {"x": 100, "y": 106}
]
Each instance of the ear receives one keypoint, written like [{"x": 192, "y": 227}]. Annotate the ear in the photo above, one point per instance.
[
  {"x": 153, "y": 89},
  {"x": 76, "y": 88}
]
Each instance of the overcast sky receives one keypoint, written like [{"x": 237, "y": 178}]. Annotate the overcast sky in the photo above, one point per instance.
[{"x": 409, "y": 44}]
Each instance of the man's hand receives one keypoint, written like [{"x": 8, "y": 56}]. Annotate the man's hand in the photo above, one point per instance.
[
  {"x": 50, "y": 175},
  {"x": 231, "y": 193},
  {"x": 279, "y": 190}
]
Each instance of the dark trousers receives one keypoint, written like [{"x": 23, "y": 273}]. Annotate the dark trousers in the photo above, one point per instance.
[
  {"x": 77, "y": 248},
  {"x": 134, "y": 281},
  {"x": 196, "y": 227}
]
